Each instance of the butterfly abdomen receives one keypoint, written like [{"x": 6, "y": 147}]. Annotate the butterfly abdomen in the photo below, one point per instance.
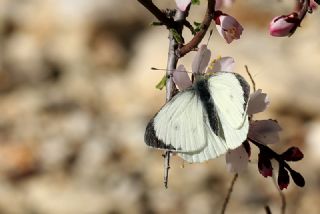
[{"x": 202, "y": 89}]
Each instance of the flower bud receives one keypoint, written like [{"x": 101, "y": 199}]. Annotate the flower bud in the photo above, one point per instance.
[
  {"x": 284, "y": 25},
  {"x": 292, "y": 154},
  {"x": 264, "y": 165},
  {"x": 297, "y": 178},
  {"x": 283, "y": 178}
]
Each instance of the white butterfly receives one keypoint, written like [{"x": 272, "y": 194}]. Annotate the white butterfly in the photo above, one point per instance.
[{"x": 205, "y": 120}]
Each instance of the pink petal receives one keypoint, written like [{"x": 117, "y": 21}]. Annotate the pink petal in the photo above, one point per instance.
[
  {"x": 228, "y": 27},
  {"x": 225, "y": 3},
  {"x": 237, "y": 160},
  {"x": 313, "y": 5},
  {"x": 258, "y": 102},
  {"x": 181, "y": 78},
  {"x": 265, "y": 131},
  {"x": 225, "y": 64},
  {"x": 182, "y": 4},
  {"x": 201, "y": 60},
  {"x": 218, "y": 4},
  {"x": 228, "y": 3}
]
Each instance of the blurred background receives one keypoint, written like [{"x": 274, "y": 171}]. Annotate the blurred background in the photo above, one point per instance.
[{"x": 76, "y": 92}]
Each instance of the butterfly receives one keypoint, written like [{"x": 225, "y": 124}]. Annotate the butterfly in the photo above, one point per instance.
[{"x": 205, "y": 120}]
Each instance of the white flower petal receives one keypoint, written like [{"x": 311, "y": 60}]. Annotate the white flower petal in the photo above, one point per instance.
[
  {"x": 258, "y": 102},
  {"x": 265, "y": 131},
  {"x": 182, "y": 4},
  {"x": 181, "y": 78},
  {"x": 225, "y": 64},
  {"x": 237, "y": 160},
  {"x": 201, "y": 60}
]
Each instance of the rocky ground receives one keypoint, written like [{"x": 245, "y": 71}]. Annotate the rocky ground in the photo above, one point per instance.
[{"x": 76, "y": 92}]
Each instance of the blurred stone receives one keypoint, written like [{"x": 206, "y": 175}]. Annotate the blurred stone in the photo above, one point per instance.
[
  {"x": 313, "y": 141},
  {"x": 17, "y": 160}
]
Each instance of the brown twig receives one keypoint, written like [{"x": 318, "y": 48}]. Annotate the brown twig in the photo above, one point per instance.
[
  {"x": 195, "y": 41},
  {"x": 268, "y": 210},
  {"x": 161, "y": 16},
  {"x": 190, "y": 27},
  {"x": 282, "y": 196},
  {"x": 166, "y": 156},
  {"x": 304, "y": 8},
  {"x": 227, "y": 199}
]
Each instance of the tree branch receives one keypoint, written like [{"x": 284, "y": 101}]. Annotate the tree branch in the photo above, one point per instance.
[
  {"x": 161, "y": 16},
  {"x": 304, "y": 8},
  {"x": 195, "y": 41},
  {"x": 179, "y": 18}
]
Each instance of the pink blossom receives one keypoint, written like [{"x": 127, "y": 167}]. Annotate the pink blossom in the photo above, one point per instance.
[
  {"x": 265, "y": 131},
  {"x": 223, "y": 3},
  {"x": 201, "y": 60},
  {"x": 228, "y": 27},
  {"x": 237, "y": 159},
  {"x": 258, "y": 102},
  {"x": 225, "y": 64},
  {"x": 181, "y": 78},
  {"x": 313, "y": 5},
  {"x": 282, "y": 26},
  {"x": 199, "y": 65},
  {"x": 182, "y": 4}
]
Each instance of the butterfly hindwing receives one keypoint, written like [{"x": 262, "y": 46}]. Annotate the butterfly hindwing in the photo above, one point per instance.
[
  {"x": 216, "y": 146},
  {"x": 178, "y": 126}
]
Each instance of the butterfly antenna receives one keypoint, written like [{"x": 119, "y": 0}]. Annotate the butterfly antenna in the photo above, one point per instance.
[
  {"x": 210, "y": 34},
  {"x": 251, "y": 78},
  {"x": 162, "y": 69}
]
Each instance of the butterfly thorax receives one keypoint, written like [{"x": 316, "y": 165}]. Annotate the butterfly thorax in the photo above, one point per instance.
[{"x": 201, "y": 86}]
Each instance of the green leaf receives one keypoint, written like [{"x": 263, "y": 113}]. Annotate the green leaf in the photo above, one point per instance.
[
  {"x": 197, "y": 26},
  {"x": 197, "y": 2},
  {"x": 317, "y": 1},
  {"x": 156, "y": 24},
  {"x": 162, "y": 83},
  {"x": 176, "y": 36}
]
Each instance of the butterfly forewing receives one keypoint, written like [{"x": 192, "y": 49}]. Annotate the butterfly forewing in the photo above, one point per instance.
[
  {"x": 230, "y": 93},
  {"x": 178, "y": 126}
]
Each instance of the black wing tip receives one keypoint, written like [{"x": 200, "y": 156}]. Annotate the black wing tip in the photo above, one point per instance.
[
  {"x": 245, "y": 88},
  {"x": 152, "y": 140}
]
